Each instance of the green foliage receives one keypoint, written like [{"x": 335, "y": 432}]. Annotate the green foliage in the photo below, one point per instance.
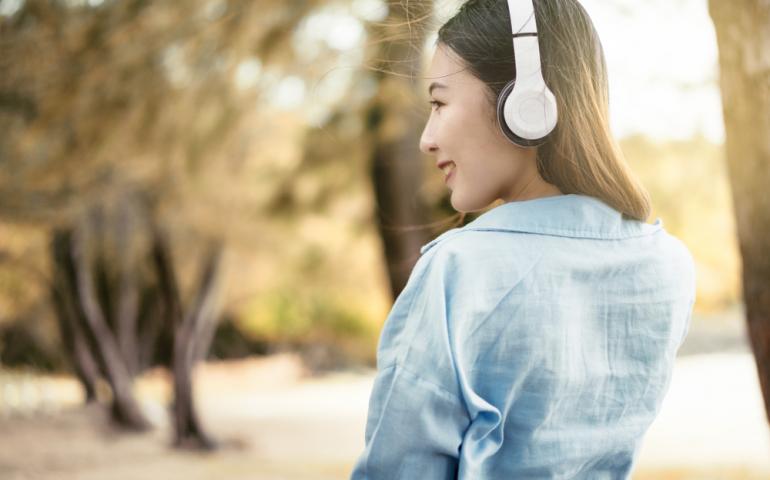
[{"x": 291, "y": 316}]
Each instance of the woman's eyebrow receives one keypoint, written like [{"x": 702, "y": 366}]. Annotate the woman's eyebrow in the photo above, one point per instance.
[{"x": 436, "y": 85}]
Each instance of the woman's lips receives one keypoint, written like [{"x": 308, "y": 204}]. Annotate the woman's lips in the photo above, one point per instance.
[{"x": 449, "y": 170}]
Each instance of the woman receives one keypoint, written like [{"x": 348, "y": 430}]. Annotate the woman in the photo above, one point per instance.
[{"x": 538, "y": 340}]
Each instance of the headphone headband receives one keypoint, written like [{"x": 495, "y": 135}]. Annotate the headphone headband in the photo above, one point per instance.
[
  {"x": 522, "y": 13},
  {"x": 526, "y": 107}
]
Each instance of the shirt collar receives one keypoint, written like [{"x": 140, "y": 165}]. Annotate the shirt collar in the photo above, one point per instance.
[{"x": 570, "y": 215}]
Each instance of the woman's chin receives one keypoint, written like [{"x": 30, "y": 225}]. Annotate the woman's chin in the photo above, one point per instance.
[{"x": 462, "y": 205}]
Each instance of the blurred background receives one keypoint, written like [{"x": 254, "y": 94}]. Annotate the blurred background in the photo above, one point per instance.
[{"x": 207, "y": 208}]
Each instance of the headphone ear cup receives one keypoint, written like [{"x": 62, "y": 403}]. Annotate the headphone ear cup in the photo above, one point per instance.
[{"x": 504, "y": 96}]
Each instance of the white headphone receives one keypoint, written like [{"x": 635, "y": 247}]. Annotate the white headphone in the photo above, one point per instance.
[{"x": 526, "y": 108}]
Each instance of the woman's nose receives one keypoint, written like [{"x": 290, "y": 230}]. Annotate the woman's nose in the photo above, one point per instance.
[{"x": 427, "y": 143}]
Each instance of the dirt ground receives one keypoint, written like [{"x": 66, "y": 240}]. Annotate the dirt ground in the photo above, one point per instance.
[{"x": 276, "y": 422}]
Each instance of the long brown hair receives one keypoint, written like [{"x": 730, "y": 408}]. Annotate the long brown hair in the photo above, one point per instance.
[{"x": 581, "y": 155}]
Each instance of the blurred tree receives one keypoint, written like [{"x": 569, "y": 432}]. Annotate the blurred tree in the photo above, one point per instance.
[
  {"x": 121, "y": 122},
  {"x": 386, "y": 103},
  {"x": 193, "y": 329},
  {"x": 393, "y": 127},
  {"x": 85, "y": 327},
  {"x": 743, "y": 36}
]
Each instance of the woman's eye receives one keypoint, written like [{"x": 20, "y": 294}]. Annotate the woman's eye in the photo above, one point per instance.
[{"x": 435, "y": 103}]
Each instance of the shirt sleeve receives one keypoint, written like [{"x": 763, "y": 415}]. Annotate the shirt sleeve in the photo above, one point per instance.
[{"x": 416, "y": 418}]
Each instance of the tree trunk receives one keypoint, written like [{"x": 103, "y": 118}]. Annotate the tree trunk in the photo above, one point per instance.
[
  {"x": 188, "y": 331},
  {"x": 189, "y": 431},
  {"x": 743, "y": 36},
  {"x": 69, "y": 315},
  {"x": 127, "y": 309},
  {"x": 125, "y": 409},
  {"x": 394, "y": 126}
]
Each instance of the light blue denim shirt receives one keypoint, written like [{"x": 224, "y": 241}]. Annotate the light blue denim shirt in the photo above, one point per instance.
[{"x": 535, "y": 342}]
